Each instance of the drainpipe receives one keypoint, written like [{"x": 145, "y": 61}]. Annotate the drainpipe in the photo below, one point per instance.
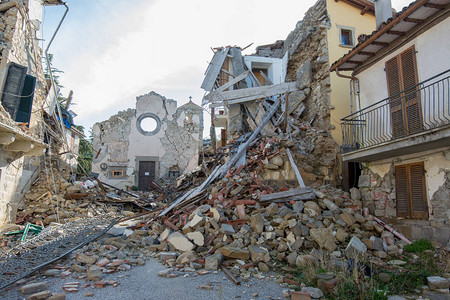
[
  {"x": 51, "y": 73},
  {"x": 352, "y": 88}
]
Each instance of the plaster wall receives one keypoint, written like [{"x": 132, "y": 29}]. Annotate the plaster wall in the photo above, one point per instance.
[
  {"x": 430, "y": 61},
  {"x": 339, "y": 14},
  {"x": 276, "y": 70},
  {"x": 174, "y": 144}
]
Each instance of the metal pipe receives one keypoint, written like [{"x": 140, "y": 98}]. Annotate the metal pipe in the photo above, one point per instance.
[{"x": 51, "y": 73}]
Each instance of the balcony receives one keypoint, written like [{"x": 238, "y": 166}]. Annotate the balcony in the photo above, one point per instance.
[{"x": 413, "y": 120}]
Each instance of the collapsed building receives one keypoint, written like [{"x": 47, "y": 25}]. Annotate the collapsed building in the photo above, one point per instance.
[
  {"x": 236, "y": 85},
  {"x": 130, "y": 154}
]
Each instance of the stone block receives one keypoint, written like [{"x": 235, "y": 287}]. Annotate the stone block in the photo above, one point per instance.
[
  {"x": 295, "y": 295},
  {"x": 355, "y": 248},
  {"x": 33, "y": 288},
  {"x": 213, "y": 262},
  {"x": 364, "y": 181},
  {"x": 257, "y": 223},
  {"x": 179, "y": 242},
  {"x": 227, "y": 229},
  {"x": 324, "y": 237},
  {"x": 40, "y": 295},
  {"x": 94, "y": 273},
  {"x": 234, "y": 252},
  {"x": 59, "y": 296},
  {"x": 437, "y": 282},
  {"x": 86, "y": 259},
  {"x": 259, "y": 254},
  {"x": 197, "y": 237},
  {"x": 304, "y": 76}
]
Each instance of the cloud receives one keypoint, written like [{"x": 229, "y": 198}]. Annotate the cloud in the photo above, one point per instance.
[{"x": 111, "y": 50}]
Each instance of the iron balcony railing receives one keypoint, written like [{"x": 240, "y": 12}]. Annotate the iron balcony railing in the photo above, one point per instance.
[{"x": 422, "y": 107}]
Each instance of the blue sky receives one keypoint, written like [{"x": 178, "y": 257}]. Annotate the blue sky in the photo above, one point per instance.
[{"x": 113, "y": 51}]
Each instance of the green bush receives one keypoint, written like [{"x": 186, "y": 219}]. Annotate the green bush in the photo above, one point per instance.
[{"x": 419, "y": 246}]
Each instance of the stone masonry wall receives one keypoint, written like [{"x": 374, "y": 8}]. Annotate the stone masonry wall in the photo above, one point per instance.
[
  {"x": 377, "y": 192},
  {"x": 308, "y": 66},
  {"x": 18, "y": 44}
]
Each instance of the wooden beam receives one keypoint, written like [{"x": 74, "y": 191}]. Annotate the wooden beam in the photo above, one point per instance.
[
  {"x": 384, "y": 44},
  {"x": 412, "y": 20},
  {"x": 435, "y": 5},
  {"x": 301, "y": 183},
  {"x": 224, "y": 169},
  {"x": 367, "y": 53},
  {"x": 354, "y": 62},
  {"x": 395, "y": 32},
  {"x": 231, "y": 83},
  {"x": 304, "y": 193},
  {"x": 255, "y": 92},
  {"x": 7, "y": 138},
  {"x": 213, "y": 69}
]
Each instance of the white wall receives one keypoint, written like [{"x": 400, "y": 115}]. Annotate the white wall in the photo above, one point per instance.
[
  {"x": 276, "y": 71},
  {"x": 432, "y": 54}
]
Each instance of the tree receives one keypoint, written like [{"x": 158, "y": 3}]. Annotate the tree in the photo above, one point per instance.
[{"x": 84, "y": 153}]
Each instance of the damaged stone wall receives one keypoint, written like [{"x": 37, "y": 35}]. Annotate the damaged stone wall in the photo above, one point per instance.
[
  {"x": 308, "y": 66},
  {"x": 123, "y": 143},
  {"x": 377, "y": 192},
  {"x": 308, "y": 63},
  {"x": 18, "y": 44}
]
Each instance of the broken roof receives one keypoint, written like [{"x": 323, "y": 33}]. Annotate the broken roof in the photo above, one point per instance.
[{"x": 396, "y": 28}]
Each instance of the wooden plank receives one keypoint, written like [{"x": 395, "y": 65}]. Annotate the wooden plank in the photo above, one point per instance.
[
  {"x": 230, "y": 83},
  {"x": 255, "y": 92},
  {"x": 266, "y": 78},
  {"x": 224, "y": 169},
  {"x": 214, "y": 69},
  {"x": 294, "y": 166},
  {"x": 287, "y": 194}
]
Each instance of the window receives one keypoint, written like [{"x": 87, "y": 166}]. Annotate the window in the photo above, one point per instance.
[
  {"x": 346, "y": 37},
  {"x": 117, "y": 173},
  {"x": 410, "y": 191},
  {"x": 401, "y": 74},
  {"x": 148, "y": 124},
  {"x": 18, "y": 93}
]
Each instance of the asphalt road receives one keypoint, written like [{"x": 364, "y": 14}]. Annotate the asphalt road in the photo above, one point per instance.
[{"x": 143, "y": 282}]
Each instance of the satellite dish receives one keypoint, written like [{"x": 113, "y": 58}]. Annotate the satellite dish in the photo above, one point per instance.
[{"x": 103, "y": 166}]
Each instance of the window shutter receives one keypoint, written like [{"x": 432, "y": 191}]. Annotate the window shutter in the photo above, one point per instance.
[
  {"x": 412, "y": 97},
  {"x": 419, "y": 207},
  {"x": 26, "y": 102},
  {"x": 13, "y": 89},
  {"x": 394, "y": 87},
  {"x": 401, "y": 191}
]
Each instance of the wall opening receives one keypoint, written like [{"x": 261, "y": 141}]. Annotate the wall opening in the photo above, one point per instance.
[{"x": 148, "y": 124}]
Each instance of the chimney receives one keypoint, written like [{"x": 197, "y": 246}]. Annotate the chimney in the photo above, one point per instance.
[{"x": 383, "y": 11}]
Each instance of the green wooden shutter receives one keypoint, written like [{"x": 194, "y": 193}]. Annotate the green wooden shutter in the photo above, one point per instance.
[
  {"x": 12, "y": 90},
  {"x": 26, "y": 102}
]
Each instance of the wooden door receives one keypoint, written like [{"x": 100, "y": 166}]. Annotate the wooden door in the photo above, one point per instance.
[
  {"x": 147, "y": 171},
  {"x": 401, "y": 73}
]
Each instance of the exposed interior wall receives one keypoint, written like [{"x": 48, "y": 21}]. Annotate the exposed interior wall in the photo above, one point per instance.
[
  {"x": 173, "y": 145},
  {"x": 377, "y": 186},
  {"x": 347, "y": 16}
]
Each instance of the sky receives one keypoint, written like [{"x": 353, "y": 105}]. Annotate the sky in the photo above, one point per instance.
[{"x": 112, "y": 51}]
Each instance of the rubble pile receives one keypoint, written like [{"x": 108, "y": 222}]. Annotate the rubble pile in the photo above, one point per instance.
[{"x": 55, "y": 197}]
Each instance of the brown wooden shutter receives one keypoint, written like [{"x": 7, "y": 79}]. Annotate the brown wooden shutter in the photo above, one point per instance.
[
  {"x": 401, "y": 191},
  {"x": 410, "y": 191},
  {"x": 394, "y": 87},
  {"x": 412, "y": 97},
  {"x": 419, "y": 207}
]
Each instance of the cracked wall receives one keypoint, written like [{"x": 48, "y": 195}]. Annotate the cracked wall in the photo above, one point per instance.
[{"x": 125, "y": 145}]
